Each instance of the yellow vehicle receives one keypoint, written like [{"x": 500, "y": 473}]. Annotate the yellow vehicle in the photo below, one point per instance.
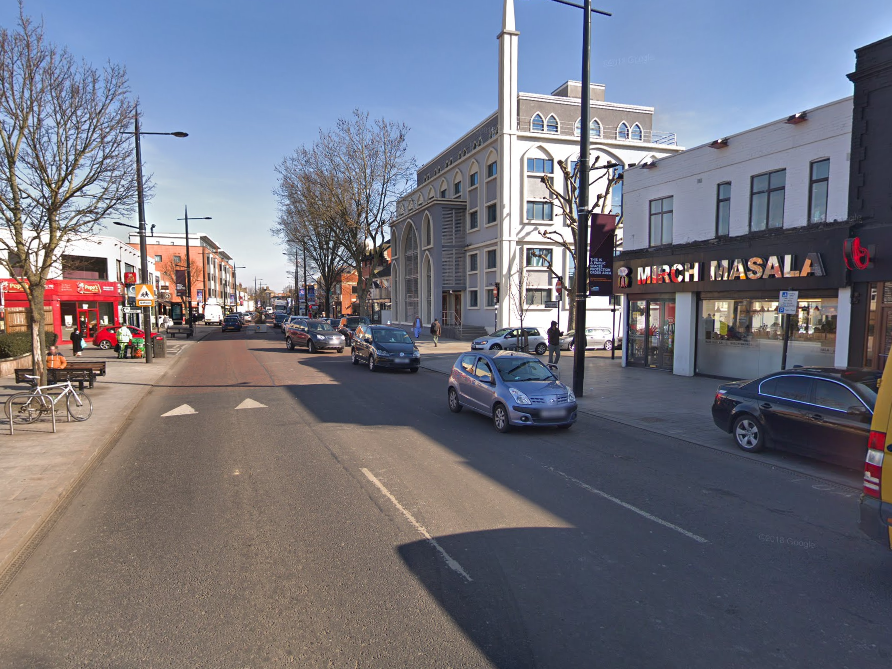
[{"x": 876, "y": 499}]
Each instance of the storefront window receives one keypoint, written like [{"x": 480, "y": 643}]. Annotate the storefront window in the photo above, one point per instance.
[{"x": 743, "y": 338}]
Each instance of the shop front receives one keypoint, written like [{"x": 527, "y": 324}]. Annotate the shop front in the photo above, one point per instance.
[
  {"x": 89, "y": 305},
  {"x": 714, "y": 309}
]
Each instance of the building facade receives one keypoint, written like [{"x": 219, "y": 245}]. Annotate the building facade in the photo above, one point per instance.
[
  {"x": 479, "y": 210},
  {"x": 714, "y": 234}
]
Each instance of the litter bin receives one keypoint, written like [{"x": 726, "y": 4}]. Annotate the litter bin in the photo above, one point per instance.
[
  {"x": 139, "y": 347},
  {"x": 159, "y": 346}
]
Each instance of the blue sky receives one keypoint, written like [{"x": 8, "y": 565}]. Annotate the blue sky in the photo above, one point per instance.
[{"x": 251, "y": 81}]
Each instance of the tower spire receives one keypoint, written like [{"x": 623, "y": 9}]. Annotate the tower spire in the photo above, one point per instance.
[{"x": 508, "y": 16}]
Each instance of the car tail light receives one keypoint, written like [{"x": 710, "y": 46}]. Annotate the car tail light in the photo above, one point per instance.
[
  {"x": 873, "y": 465},
  {"x": 719, "y": 394}
]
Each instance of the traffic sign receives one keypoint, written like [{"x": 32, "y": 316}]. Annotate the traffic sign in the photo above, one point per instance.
[
  {"x": 551, "y": 304},
  {"x": 145, "y": 295},
  {"x": 788, "y": 302},
  {"x": 558, "y": 287}
]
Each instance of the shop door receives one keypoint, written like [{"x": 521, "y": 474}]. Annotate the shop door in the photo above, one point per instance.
[
  {"x": 88, "y": 320},
  {"x": 652, "y": 333}
]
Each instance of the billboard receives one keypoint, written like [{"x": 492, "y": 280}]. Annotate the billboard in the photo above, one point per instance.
[
  {"x": 602, "y": 235},
  {"x": 181, "y": 282}
]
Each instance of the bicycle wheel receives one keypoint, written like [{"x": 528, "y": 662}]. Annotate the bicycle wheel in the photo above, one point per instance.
[
  {"x": 79, "y": 406},
  {"x": 25, "y": 407}
]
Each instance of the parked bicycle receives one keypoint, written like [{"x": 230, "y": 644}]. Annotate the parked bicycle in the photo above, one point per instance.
[{"x": 28, "y": 406}]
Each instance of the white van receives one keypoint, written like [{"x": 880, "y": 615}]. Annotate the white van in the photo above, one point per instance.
[{"x": 213, "y": 313}]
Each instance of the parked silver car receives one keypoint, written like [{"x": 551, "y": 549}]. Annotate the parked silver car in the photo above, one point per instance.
[
  {"x": 509, "y": 339},
  {"x": 594, "y": 338},
  {"x": 515, "y": 389}
]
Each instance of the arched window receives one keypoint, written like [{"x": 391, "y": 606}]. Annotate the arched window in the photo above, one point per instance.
[
  {"x": 473, "y": 176},
  {"x": 595, "y": 125},
  {"x": 456, "y": 185},
  {"x": 427, "y": 287},
  {"x": 410, "y": 290},
  {"x": 622, "y": 132},
  {"x": 637, "y": 134},
  {"x": 395, "y": 302},
  {"x": 578, "y": 129},
  {"x": 428, "y": 230},
  {"x": 551, "y": 125},
  {"x": 537, "y": 124}
]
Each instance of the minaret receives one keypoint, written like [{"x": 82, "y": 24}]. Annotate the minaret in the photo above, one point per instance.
[{"x": 509, "y": 196}]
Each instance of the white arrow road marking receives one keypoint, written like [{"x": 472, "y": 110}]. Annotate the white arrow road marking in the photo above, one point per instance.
[
  {"x": 251, "y": 404},
  {"x": 182, "y": 410},
  {"x": 451, "y": 563}
]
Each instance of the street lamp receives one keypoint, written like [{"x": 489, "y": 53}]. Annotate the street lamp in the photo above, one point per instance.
[
  {"x": 141, "y": 207},
  {"x": 235, "y": 281},
  {"x": 294, "y": 303},
  {"x": 188, "y": 261}
]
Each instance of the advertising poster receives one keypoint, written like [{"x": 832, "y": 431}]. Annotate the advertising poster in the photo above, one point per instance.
[
  {"x": 602, "y": 229},
  {"x": 181, "y": 282}
]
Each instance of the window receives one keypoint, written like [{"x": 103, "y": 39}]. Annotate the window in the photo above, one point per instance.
[
  {"x": 537, "y": 124},
  {"x": 537, "y": 297},
  {"x": 490, "y": 298},
  {"x": 622, "y": 132},
  {"x": 538, "y": 258},
  {"x": 723, "y": 210},
  {"x": 473, "y": 221},
  {"x": 428, "y": 233},
  {"x": 767, "y": 200},
  {"x": 661, "y": 221},
  {"x": 817, "y": 191},
  {"x": 595, "y": 128},
  {"x": 472, "y": 262},
  {"x": 177, "y": 259},
  {"x": 483, "y": 371},
  {"x": 551, "y": 125},
  {"x": 794, "y": 388},
  {"x": 443, "y": 193},
  {"x": 577, "y": 130},
  {"x": 473, "y": 302},
  {"x": 157, "y": 258},
  {"x": 540, "y": 211},
  {"x": 456, "y": 188},
  {"x": 491, "y": 259},
  {"x": 491, "y": 214},
  {"x": 540, "y": 165},
  {"x": 492, "y": 169},
  {"x": 473, "y": 179},
  {"x": 467, "y": 363},
  {"x": 616, "y": 193},
  {"x": 637, "y": 134},
  {"x": 835, "y": 396}
]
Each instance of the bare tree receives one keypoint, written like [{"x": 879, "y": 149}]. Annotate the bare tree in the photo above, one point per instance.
[
  {"x": 517, "y": 298},
  {"x": 65, "y": 164},
  {"x": 168, "y": 269},
  {"x": 565, "y": 199}
]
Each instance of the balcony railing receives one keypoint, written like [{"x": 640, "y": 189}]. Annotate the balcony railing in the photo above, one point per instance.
[{"x": 608, "y": 133}]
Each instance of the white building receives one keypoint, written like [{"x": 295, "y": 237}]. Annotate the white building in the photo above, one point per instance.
[
  {"x": 713, "y": 234},
  {"x": 476, "y": 216}
]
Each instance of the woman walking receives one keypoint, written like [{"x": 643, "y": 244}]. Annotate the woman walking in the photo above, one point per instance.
[
  {"x": 77, "y": 342},
  {"x": 417, "y": 327}
]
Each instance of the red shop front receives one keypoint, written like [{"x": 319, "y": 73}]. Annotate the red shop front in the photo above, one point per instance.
[{"x": 89, "y": 304}]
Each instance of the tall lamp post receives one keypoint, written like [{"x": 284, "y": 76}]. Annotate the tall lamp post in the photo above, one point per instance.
[
  {"x": 582, "y": 204},
  {"x": 295, "y": 306},
  {"x": 141, "y": 207},
  {"x": 235, "y": 281},
  {"x": 188, "y": 261}
]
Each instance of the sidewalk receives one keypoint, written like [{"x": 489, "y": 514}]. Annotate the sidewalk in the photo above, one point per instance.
[
  {"x": 40, "y": 471},
  {"x": 656, "y": 401}
]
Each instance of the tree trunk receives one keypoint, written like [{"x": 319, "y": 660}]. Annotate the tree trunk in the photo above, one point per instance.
[
  {"x": 38, "y": 354},
  {"x": 571, "y": 309}
]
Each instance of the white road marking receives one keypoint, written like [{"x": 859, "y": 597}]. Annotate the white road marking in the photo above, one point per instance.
[
  {"x": 251, "y": 404},
  {"x": 625, "y": 505},
  {"x": 182, "y": 410},
  {"x": 450, "y": 562}
]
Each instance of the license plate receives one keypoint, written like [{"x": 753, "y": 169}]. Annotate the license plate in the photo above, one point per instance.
[
  {"x": 401, "y": 361},
  {"x": 553, "y": 413}
]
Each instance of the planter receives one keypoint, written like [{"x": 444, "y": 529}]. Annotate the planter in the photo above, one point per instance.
[{"x": 8, "y": 365}]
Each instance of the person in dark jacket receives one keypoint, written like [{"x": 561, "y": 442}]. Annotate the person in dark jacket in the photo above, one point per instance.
[
  {"x": 436, "y": 330},
  {"x": 554, "y": 343},
  {"x": 77, "y": 342}
]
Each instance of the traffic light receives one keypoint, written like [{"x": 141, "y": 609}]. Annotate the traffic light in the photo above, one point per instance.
[{"x": 495, "y": 292}]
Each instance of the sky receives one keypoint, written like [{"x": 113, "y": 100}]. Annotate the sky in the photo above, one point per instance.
[{"x": 252, "y": 81}]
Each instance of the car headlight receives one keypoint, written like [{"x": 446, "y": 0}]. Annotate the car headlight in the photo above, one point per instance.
[
  {"x": 483, "y": 341},
  {"x": 518, "y": 396},
  {"x": 416, "y": 353},
  {"x": 571, "y": 397},
  {"x": 382, "y": 354}
]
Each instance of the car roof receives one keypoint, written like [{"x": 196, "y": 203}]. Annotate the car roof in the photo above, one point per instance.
[
  {"x": 493, "y": 355},
  {"x": 852, "y": 374}
]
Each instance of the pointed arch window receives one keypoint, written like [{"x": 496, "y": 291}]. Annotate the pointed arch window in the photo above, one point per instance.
[
  {"x": 538, "y": 123},
  {"x": 622, "y": 132},
  {"x": 596, "y": 128},
  {"x": 577, "y": 129},
  {"x": 637, "y": 134},
  {"x": 551, "y": 125}
]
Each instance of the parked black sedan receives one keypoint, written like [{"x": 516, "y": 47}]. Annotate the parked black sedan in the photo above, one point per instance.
[
  {"x": 384, "y": 346},
  {"x": 819, "y": 412}
]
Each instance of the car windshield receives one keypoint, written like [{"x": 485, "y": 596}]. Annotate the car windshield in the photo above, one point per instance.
[
  {"x": 523, "y": 369},
  {"x": 390, "y": 337},
  {"x": 323, "y": 327},
  {"x": 356, "y": 321},
  {"x": 501, "y": 333}
]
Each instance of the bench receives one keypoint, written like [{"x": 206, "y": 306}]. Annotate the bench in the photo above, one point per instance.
[
  {"x": 174, "y": 330},
  {"x": 79, "y": 376}
]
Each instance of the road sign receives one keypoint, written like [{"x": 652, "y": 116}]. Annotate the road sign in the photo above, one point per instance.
[
  {"x": 788, "y": 302},
  {"x": 551, "y": 304},
  {"x": 558, "y": 287},
  {"x": 145, "y": 295}
]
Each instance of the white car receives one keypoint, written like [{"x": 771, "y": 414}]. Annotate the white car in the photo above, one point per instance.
[{"x": 508, "y": 339}]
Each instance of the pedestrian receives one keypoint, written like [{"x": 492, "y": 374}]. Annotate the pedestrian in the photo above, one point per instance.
[
  {"x": 54, "y": 359},
  {"x": 436, "y": 329},
  {"x": 554, "y": 343},
  {"x": 417, "y": 327},
  {"x": 124, "y": 338},
  {"x": 77, "y": 342}
]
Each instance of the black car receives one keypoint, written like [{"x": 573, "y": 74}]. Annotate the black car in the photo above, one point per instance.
[
  {"x": 384, "y": 346},
  {"x": 232, "y": 322},
  {"x": 349, "y": 328},
  {"x": 819, "y": 412}
]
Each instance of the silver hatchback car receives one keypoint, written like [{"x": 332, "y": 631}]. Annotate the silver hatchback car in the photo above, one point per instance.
[
  {"x": 515, "y": 389},
  {"x": 509, "y": 338}
]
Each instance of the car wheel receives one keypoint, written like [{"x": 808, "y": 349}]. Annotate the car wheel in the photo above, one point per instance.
[
  {"x": 500, "y": 418},
  {"x": 105, "y": 344},
  {"x": 341, "y": 350},
  {"x": 540, "y": 349},
  {"x": 311, "y": 347},
  {"x": 495, "y": 347},
  {"x": 454, "y": 405},
  {"x": 565, "y": 427},
  {"x": 355, "y": 359},
  {"x": 748, "y": 433},
  {"x": 414, "y": 370},
  {"x": 289, "y": 343},
  {"x": 371, "y": 363},
  {"x": 608, "y": 345}
]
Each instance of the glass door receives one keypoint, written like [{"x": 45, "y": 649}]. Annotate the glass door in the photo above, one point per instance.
[
  {"x": 88, "y": 320},
  {"x": 637, "y": 332}
]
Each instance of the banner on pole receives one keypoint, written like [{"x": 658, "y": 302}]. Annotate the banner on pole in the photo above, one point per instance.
[{"x": 602, "y": 233}]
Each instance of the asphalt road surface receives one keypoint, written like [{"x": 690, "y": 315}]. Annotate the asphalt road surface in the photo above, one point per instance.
[{"x": 294, "y": 508}]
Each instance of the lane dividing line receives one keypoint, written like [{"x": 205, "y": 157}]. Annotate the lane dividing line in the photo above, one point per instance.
[
  {"x": 450, "y": 562},
  {"x": 625, "y": 505}
]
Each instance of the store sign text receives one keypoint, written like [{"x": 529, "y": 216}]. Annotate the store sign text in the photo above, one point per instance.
[{"x": 772, "y": 267}]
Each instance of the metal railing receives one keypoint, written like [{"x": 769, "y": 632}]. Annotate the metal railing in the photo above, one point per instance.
[{"x": 609, "y": 133}]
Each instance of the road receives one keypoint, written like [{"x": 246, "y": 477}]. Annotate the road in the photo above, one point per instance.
[{"x": 343, "y": 518}]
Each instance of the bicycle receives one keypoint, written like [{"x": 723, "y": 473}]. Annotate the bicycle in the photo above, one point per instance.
[{"x": 26, "y": 407}]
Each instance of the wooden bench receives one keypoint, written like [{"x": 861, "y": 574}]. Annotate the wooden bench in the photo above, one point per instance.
[
  {"x": 174, "y": 330},
  {"x": 79, "y": 372}
]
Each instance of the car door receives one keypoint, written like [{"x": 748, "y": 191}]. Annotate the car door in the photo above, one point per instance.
[
  {"x": 480, "y": 392},
  {"x": 839, "y": 424},
  {"x": 782, "y": 402},
  {"x": 465, "y": 377},
  {"x": 361, "y": 344}
]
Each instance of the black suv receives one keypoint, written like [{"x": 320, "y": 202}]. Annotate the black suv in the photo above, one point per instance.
[{"x": 384, "y": 346}]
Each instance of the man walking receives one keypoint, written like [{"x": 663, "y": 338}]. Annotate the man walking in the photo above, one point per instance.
[
  {"x": 436, "y": 329},
  {"x": 554, "y": 343}
]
